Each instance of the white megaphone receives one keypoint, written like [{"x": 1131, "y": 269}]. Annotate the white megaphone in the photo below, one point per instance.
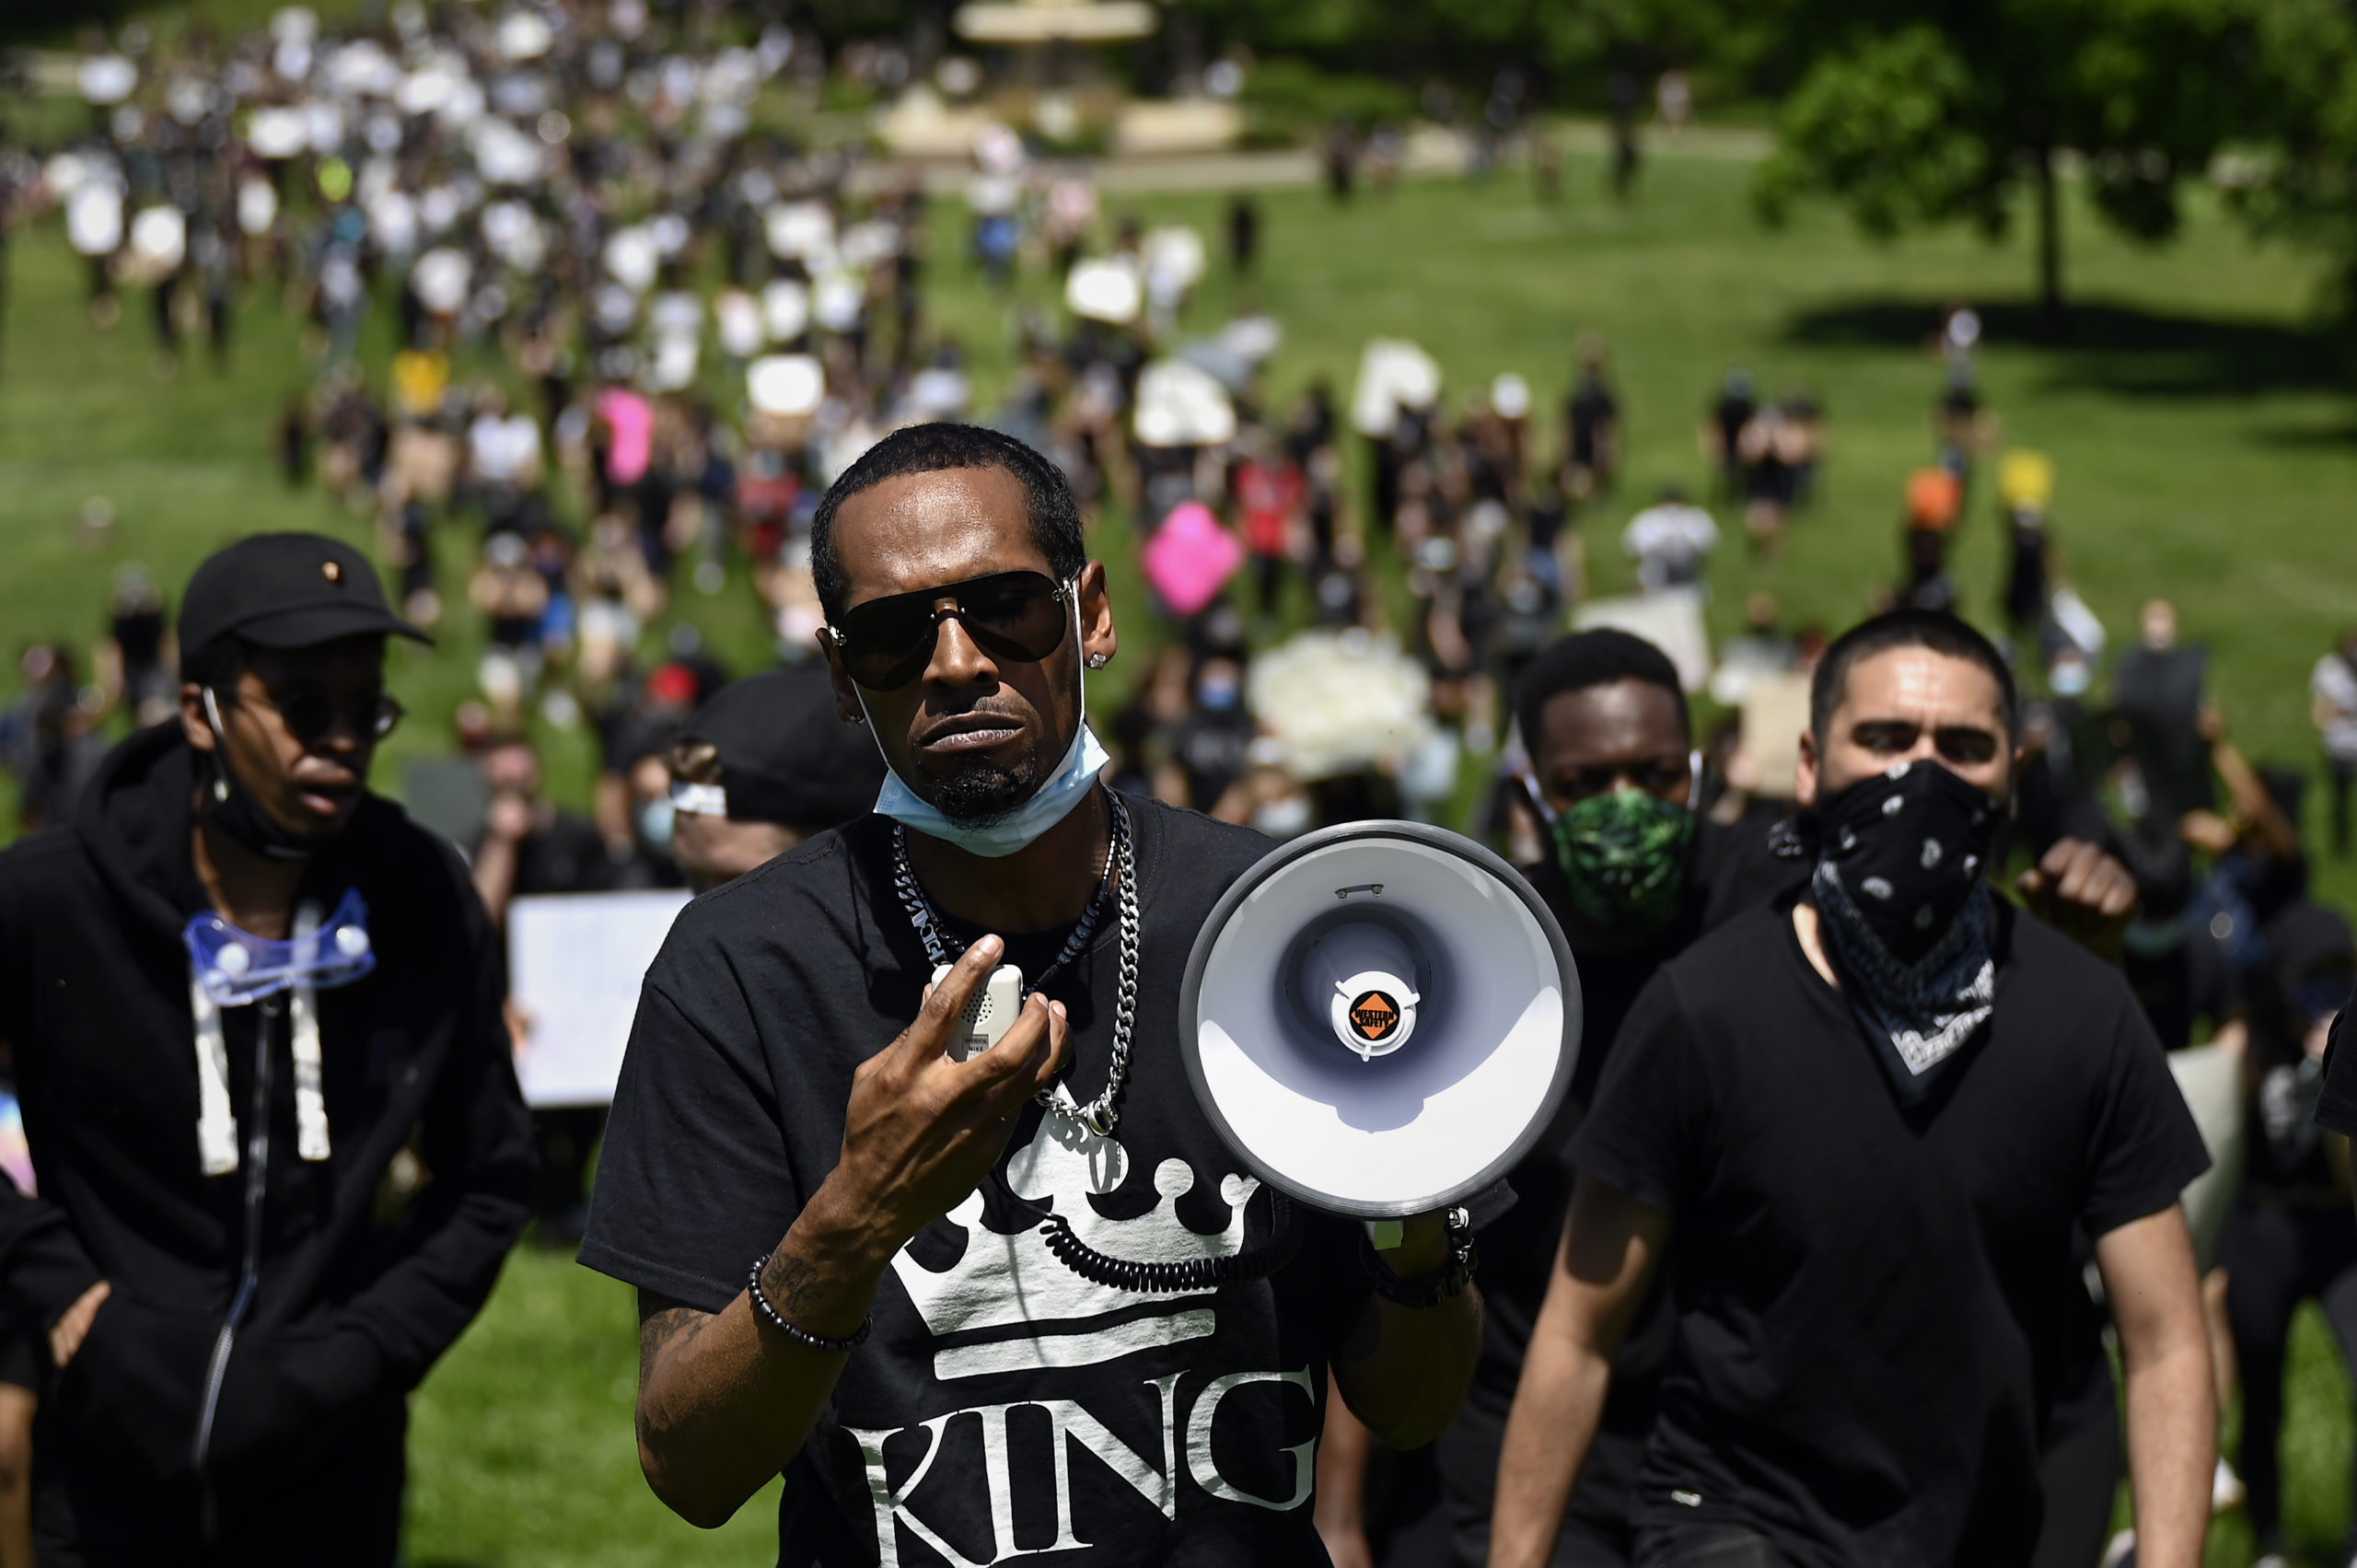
[{"x": 1380, "y": 1020}]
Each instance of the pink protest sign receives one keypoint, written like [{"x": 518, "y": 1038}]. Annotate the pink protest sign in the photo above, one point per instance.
[{"x": 1191, "y": 558}]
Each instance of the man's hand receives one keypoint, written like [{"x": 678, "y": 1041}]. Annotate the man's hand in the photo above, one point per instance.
[
  {"x": 2083, "y": 892},
  {"x": 73, "y": 1325},
  {"x": 1423, "y": 1247},
  {"x": 922, "y": 1129},
  {"x": 509, "y": 817}
]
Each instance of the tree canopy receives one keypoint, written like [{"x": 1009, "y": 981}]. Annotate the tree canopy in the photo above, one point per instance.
[
  {"x": 2296, "y": 174},
  {"x": 1911, "y": 123}
]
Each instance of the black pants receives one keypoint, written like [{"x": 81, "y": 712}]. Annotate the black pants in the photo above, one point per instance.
[
  {"x": 1578, "y": 1545},
  {"x": 564, "y": 1137},
  {"x": 1701, "y": 1545},
  {"x": 342, "y": 1507},
  {"x": 1467, "y": 1457},
  {"x": 2279, "y": 1257}
]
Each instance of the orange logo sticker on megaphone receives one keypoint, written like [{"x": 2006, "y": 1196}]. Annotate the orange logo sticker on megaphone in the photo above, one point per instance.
[{"x": 1375, "y": 1016}]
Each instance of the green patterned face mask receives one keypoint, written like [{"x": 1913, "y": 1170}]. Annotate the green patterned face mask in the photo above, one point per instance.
[{"x": 1623, "y": 855}]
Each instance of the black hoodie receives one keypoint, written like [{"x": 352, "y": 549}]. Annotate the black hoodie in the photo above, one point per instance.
[{"x": 359, "y": 1282}]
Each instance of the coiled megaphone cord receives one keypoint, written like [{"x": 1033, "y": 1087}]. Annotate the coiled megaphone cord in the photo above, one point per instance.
[{"x": 1186, "y": 1275}]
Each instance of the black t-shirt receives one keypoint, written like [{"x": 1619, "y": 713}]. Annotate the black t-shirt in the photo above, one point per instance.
[
  {"x": 1875, "y": 1309},
  {"x": 1003, "y": 1404},
  {"x": 2181, "y": 985},
  {"x": 1211, "y": 745},
  {"x": 563, "y": 855}
]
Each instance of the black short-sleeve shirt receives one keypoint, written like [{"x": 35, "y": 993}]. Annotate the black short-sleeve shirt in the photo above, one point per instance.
[
  {"x": 1002, "y": 1405},
  {"x": 1873, "y": 1307}
]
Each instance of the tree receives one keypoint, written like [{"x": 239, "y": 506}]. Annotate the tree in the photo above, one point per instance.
[
  {"x": 1564, "y": 50},
  {"x": 1913, "y": 123},
  {"x": 2295, "y": 175}
]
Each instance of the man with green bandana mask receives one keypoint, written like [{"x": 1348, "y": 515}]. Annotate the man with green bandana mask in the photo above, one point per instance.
[
  {"x": 1623, "y": 852},
  {"x": 1634, "y": 877},
  {"x": 1613, "y": 775}
]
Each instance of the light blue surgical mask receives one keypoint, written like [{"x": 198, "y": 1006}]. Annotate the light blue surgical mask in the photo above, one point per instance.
[{"x": 1000, "y": 836}]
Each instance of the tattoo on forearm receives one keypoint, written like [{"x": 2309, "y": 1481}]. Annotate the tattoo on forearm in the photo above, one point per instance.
[
  {"x": 660, "y": 1327},
  {"x": 792, "y": 1283},
  {"x": 660, "y": 1330}
]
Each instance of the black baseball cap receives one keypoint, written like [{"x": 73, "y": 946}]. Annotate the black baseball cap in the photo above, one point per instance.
[
  {"x": 785, "y": 757},
  {"x": 286, "y": 590}
]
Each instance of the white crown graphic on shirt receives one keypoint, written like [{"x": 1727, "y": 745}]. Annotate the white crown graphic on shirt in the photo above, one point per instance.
[{"x": 1011, "y": 1281}]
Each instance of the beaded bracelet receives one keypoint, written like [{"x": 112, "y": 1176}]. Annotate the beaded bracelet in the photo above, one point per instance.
[
  {"x": 800, "y": 1335},
  {"x": 1432, "y": 1290}
]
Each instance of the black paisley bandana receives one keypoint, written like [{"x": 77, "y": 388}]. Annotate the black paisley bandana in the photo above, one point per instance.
[{"x": 1903, "y": 897}]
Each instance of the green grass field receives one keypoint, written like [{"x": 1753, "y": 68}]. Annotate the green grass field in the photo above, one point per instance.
[{"x": 2205, "y": 438}]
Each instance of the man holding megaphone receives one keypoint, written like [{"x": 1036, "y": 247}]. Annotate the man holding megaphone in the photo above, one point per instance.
[
  {"x": 903, "y": 1161},
  {"x": 1872, "y": 1113}
]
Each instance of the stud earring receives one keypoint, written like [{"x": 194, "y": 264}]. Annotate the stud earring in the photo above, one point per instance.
[
  {"x": 1097, "y": 661},
  {"x": 852, "y": 719}
]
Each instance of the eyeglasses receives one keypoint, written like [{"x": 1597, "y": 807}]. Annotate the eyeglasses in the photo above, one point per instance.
[
  {"x": 886, "y": 642},
  {"x": 311, "y": 715},
  {"x": 1966, "y": 744}
]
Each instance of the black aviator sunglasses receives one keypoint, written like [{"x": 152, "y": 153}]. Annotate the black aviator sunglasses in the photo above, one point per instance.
[{"x": 886, "y": 642}]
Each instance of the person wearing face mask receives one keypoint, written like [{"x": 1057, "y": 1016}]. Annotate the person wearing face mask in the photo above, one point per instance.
[
  {"x": 649, "y": 858},
  {"x": 762, "y": 767},
  {"x": 632, "y": 800},
  {"x": 976, "y": 1299},
  {"x": 1861, "y": 1124},
  {"x": 235, "y": 988},
  {"x": 1611, "y": 775},
  {"x": 1212, "y": 743},
  {"x": 1634, "y": 875}
]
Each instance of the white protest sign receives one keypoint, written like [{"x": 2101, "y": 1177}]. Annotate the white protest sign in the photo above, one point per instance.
[
  {"x": 1671, "y": 620},
  {"x": 575, "y": 962}
]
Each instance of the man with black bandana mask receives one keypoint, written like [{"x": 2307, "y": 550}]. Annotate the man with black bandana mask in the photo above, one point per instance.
[
  {"x": 980, "y": 1300},
  {"x": 235, "y": 988},
  {"x": 1872, "y": 1113}
]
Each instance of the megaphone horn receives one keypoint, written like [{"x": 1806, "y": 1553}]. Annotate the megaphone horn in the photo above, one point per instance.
[{"x": 1380, "y": 1018}]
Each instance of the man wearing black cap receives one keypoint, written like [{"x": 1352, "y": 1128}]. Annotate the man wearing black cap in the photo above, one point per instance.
[
  {"x": 255, "y": 1015},
  {"x": 763, "y": 766}
]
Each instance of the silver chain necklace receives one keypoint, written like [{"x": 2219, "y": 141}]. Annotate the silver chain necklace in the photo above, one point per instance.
[{"x": 1102, "y": 1114}]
